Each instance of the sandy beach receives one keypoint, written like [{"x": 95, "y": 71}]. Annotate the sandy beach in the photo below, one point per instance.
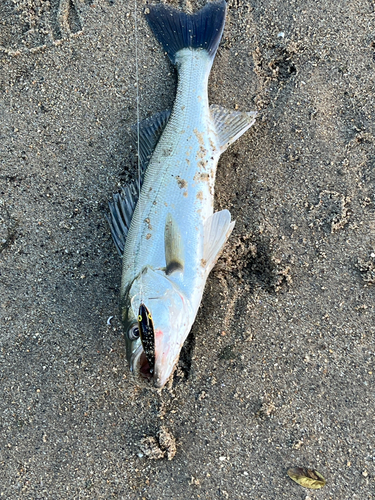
[{"x": 279, "y": 369}]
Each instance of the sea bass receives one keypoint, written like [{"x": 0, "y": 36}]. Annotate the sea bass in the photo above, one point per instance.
[{"x": 163, "y": 224}]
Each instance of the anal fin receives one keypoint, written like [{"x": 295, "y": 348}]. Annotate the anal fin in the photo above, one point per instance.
[{"x": 217, "y": 230}]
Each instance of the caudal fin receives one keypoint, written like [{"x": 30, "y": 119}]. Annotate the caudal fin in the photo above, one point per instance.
[{"x": 176, "y": 30}]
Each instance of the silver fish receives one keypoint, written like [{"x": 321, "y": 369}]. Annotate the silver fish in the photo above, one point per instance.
[{"x": 168, "y": 235}]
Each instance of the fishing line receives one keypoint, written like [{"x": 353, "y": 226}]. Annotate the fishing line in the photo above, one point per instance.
[{"x": 139, "y": 170}]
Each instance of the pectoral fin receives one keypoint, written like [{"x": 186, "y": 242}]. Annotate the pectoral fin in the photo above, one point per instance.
[
  {"x": 230, "y": 125},
  {"x": 217, "y": 229},
  {"x": 174, "y": 252}
]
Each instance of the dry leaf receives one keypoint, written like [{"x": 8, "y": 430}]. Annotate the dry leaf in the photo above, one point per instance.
[{"x": 307, "y": 478}]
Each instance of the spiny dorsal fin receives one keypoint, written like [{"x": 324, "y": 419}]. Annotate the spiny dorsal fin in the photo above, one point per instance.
[
  {"x": 217, "y": 229},
  {"x": 150, "y": 131},
  {"x": 230, "y": 125},
  {"x": 174, "y": 252}
]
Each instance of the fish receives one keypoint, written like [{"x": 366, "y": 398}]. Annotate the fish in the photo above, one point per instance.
[{"x": 163, "y": 224}]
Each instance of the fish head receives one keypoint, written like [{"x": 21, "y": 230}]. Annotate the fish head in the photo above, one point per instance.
[
  {"x": 158, "y": 320},
  {"x": 171, "y": 326}
]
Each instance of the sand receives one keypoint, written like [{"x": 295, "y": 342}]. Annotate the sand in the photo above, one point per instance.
[{"x": 279, "y": 368}]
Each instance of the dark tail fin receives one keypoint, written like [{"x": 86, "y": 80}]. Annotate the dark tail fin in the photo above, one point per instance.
[{"x": 176, "y": 30}]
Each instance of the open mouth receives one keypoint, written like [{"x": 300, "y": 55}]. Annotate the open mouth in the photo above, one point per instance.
[
  {"x": 145, "y": 369},
  {"x": 140, "y": 364}
]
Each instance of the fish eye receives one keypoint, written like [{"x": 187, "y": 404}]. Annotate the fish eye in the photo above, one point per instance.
[{"x": 133, "y": 333}]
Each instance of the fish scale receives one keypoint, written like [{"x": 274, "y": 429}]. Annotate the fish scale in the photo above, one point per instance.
[{"x": 161, "y": 193}]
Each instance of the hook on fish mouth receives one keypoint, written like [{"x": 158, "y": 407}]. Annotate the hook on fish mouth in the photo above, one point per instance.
[{"x": 147, "y": 334}]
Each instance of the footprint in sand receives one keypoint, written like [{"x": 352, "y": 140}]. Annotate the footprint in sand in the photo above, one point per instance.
[{"x": 33, "y": 24}]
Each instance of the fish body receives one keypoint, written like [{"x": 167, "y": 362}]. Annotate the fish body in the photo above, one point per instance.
[
  {"x": 174, "y": 237},
  {"x": 178, "y": 183}
]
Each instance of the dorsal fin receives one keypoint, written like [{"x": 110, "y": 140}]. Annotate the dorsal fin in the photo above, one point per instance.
[
  {"x": 150, "y": 131},
  {"x": 217, "y": 229},
  {"x": 230, "y": 125},
  {"x": 174, "y": 252},
  {"x": 121, "y": 212},
  {"x": 123, "y": 205}
]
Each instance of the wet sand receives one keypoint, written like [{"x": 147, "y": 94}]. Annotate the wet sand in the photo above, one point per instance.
[{"x": 279, "y": 368}]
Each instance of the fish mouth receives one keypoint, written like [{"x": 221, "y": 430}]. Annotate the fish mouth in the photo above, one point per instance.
[
  {"x": 145, "y": 369},
  {"x": 157, "y": 356},
  {"x": 139, "y": 364}
]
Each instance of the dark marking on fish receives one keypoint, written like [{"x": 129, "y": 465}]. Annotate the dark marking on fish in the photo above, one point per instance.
[
  {"x": 173, "y": 266},
  {"x": 181, "y": 182}
]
